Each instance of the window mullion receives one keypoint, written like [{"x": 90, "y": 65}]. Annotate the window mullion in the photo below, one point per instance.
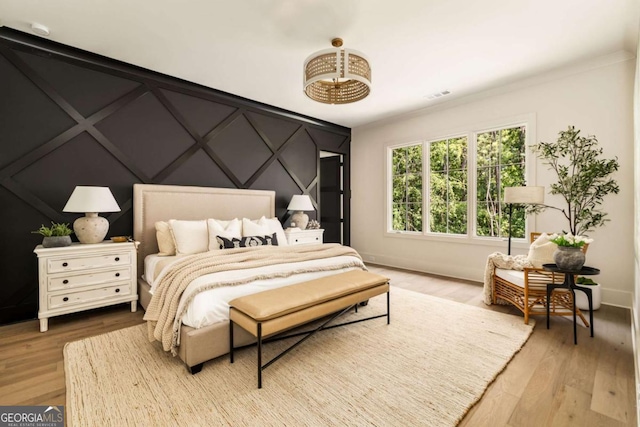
[
  {"x": 426, "y": 187},
  {"x": 446, "y": 183},
  {"x": 406, "y": 190},
  {"x": 472, "y": 182}
]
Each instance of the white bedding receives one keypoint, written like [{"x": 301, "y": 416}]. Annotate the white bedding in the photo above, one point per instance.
[
  {"x": 150, "y": 262},
  {"x": 212, "y": 306}
]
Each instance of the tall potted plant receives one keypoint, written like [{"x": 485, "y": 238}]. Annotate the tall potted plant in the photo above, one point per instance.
[{"x": 584, "y": 179}]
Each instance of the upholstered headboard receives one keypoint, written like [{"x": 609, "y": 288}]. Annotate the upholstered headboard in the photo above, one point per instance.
[{"x": 152, "y": 203}]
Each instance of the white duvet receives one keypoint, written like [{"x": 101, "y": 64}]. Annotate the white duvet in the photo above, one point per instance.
[{"x": 212, "y": 306}]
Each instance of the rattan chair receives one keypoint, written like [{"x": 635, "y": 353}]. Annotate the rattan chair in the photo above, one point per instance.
[{"x": 527, "y": 290}]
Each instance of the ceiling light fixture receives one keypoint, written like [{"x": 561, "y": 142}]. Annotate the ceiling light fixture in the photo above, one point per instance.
[
  {"x": 337, "y": 76},
  {"x": 40, "y": 29}
]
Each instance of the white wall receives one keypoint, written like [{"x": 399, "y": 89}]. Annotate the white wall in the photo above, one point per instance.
[
  {"x": 597, "y": 100},
  {"x": 636, "y": 210}
]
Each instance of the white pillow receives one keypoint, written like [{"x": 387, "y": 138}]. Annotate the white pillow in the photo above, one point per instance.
[
  {"x": 191, "y": 237},
  {"x": 226, "y": 229},
  {"x": 166, "y": 245},
  {"x": 263, "y": 227},
  {"x": 541, "y": 251},
  {"x": 275, "y": 227},
  {"x": 255, "y": 228}
]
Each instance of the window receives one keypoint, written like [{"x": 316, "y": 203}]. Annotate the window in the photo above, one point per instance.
[
  {"x": 500, "y": 159},
  {"x": 448, "y": 186},
  {"x": 454, "y": 186},
  {"x": 407, "y": 188}
]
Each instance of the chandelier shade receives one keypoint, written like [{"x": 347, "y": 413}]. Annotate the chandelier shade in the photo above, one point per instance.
[{"x": 337, "y": 76}]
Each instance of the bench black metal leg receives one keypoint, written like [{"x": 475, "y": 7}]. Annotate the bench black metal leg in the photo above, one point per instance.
[
  {"x": 307, "y": 334},
  {"x": 388, "y": 307},
  {"x": 231, "y": 341},
  {"x": 259, "y": 355}
]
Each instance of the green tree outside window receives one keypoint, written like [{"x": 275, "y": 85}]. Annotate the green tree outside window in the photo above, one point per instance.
[
  {"x": 500, "y": 159},
  {"x": 407, "y": 188},
  {"x": 500, "y": 163},
  {"x": 448, "y": 186}
]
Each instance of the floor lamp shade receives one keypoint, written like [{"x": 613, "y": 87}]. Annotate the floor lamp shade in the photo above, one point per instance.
[
  {"x": 91, "y": 228},
  {"x": 533, "y": 195},
  {"x": 523, "y": 195},
  {"x": 300, "y": 203}
]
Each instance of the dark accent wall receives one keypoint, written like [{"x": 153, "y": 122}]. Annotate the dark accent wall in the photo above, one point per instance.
[{"x": 69, "y": 117}]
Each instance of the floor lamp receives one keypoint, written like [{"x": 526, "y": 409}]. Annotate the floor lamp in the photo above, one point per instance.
[{"x": 522, "y": 195}]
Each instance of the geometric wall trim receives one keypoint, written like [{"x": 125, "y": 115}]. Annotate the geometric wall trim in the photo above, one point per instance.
[{"x": 71, "y": 118}]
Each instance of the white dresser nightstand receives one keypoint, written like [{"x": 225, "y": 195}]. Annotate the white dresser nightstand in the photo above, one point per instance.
[
  {"x": 85, "y": 276},
  {"x": 295, "y": 236}
]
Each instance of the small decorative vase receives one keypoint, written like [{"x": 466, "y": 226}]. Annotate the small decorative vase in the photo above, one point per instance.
[
  {"x": 56, "y": 241},
  {"x": 569, "y": 258}
]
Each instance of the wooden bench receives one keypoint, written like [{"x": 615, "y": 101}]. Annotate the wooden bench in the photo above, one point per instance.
[{"x": 274, "y": 311}]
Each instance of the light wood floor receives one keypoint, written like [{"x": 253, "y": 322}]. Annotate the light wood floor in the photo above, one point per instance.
[{"x": 550, "y": 382}]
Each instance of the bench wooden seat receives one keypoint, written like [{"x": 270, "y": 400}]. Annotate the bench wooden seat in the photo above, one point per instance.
[{"x": 274, "y": 311}]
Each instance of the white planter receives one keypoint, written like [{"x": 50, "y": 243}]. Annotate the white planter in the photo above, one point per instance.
[{"x": 581, "y": 298}]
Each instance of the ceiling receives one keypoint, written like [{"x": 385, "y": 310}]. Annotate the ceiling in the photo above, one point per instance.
[{"x": 256, "y": 48}]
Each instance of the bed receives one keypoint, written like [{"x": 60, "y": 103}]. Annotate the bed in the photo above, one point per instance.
[{"x": 152, "y": 203}]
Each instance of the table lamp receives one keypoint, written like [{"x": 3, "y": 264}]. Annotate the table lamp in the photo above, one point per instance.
[
  {"x": 300, "y": 203},
  {"x": 91, "y": 228},
  {"x": 523, "y": 195}
]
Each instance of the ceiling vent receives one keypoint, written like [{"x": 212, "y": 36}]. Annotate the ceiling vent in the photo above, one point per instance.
[{"x": 438, "y": 94}]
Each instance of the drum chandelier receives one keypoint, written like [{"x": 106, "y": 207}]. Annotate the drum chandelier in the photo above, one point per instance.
[{"x": 337, "y": 76}]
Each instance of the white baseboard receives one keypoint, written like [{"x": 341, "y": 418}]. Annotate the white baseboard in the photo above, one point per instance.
[
  {"x": 617, "y": 298},
  {"x": 423, "y": 266}
]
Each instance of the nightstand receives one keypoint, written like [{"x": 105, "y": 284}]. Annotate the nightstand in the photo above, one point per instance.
[
  {"x": 85, "y": 276},
  {"x": 296, "y": 236}
]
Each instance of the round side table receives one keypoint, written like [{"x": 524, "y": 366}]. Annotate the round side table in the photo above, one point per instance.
[{"x": 570, "y": 284}]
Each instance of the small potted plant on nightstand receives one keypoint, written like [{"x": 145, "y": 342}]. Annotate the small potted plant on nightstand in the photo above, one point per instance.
[
  {"x": 596, "y": 294},
  {"x": 58, "y": 235}
]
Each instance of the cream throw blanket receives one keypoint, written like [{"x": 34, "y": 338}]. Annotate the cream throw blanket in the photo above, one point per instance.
[
  {"x": 162, "y": 314},
  {"x": 507, "y": 262}
]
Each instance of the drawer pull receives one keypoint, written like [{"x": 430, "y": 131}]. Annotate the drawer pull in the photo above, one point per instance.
[
  {"x": 117, "y": 290},
  {"x": 117, "y": 258},
  {"x": 117, "y": 274},
  {"x": 65, "y": 299},
  {"x": 65, "y": 264},
  {"x": 65, "y": 281}
]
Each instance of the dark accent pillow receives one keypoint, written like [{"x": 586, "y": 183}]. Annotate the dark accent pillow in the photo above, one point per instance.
[{"x": 247, "y": 241}]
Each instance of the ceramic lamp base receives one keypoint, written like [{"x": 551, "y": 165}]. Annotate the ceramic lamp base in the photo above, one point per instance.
[
  {"x": 301, "y": 220},
  {"x": 91, "y": 228}
]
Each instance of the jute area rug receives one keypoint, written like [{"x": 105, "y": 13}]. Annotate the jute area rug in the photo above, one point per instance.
[{"x": 427, "y": 368}]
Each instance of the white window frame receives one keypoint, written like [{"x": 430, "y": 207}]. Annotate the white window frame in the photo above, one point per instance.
[{"x": 471, "y": 131}]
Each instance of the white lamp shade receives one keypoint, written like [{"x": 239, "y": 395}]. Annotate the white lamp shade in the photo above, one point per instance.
[
  {"x": 533, "y": 195},
  {"x": 300, "y": 203},
  {"x": 91, "y": 199}
]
